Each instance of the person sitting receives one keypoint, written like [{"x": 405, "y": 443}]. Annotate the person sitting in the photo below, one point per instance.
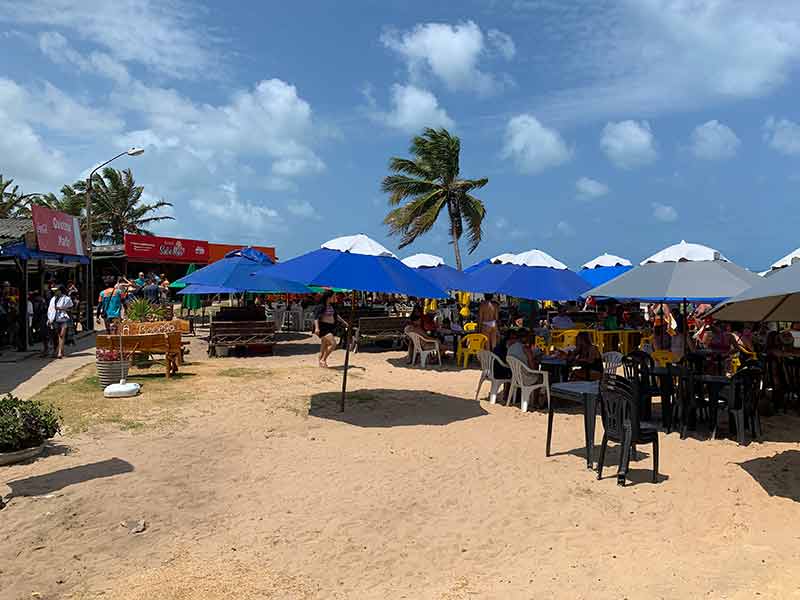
[
  {"x": 501, "y": 351},
  {"x": 415, "y": 326},
  {"x": 520, "y": 349},
  {"x": 587, "y": 357},
  {"x": 562, "y": 320}
]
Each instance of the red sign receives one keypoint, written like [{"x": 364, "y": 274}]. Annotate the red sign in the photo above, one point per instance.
[
  {"x": 56, "y": 231},
  {"x": 166, "y": 250}
]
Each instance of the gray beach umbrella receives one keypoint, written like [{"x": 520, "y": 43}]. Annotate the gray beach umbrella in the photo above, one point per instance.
[
  {"x": 683, "y": 272},
  {"x": 775, "y": 298}
]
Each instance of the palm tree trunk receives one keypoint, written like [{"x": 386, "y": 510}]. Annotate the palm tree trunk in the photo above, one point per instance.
[{"x": 457, "y": 251}]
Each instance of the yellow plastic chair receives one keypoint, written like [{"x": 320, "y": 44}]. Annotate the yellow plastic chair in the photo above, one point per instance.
[
  {"x": 469, "y": 346},
  {"x": 662, "y": 357},
  {"x": 541, "y": 344},
  {"x": 470, "y": 327},
  {"x": 646, "y": 339}
]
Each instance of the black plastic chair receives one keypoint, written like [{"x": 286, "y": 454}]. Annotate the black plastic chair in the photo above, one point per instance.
[
  {"x": 621, "y": 424},
  {"x": 638, "y": 368},
  {"x": 791, "y": 378},
  {"x": 745, "y": 393}
]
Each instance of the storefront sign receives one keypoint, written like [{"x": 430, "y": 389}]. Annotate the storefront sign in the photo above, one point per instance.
[
  {"x": 57, "y": 232},
  {"x": 163, "y": 249}
]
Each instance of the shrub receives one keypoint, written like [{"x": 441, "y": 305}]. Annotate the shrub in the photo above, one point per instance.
[
  {"x": 142, "y": 310},
  {"x": 26, "y": 423}
]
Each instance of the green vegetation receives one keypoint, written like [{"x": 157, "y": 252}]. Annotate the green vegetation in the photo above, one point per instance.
[
  {"x": 430, "y": 182},
  {"x": 243, "y": 372},
  {"x": 26, "y": 424}
]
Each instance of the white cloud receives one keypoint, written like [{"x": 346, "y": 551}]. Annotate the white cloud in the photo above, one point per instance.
[
  {"x": 532, "y": 146},
  {"x": 782, "y": 135},
  {"x": 714, "y": 141},
  {"x": 664, "y": 212},
  {"x": 163, "y": 35},
  {"x": 590, "y": 188},
  {"x": 233, "y": 215},
  {"x": 565, "y": 229},
  {"x": 451, "y": 53},
  {"x": 413, "y": 109},
  {"x": 304, "y": 210},
  {"x": 26, "y": 158},
  {"x": 50, "y": 107},
  {"x": 58, "y": 49},
  {"x": 629, "y": 144},
  {"x": 653, "y": 56},
  {"x": 501, "y": 223}
]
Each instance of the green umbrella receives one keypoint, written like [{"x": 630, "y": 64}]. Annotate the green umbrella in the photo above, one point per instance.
[{"x": 190, "y": 301}]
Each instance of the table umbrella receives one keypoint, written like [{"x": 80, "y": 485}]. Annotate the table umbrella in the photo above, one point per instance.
[
  {"x": 189, "y": 301},
  {"x": 356, "y": 262},
  {"x": 534, "y": 275},
  {"x": 683, "y": 272},
  {"x": 204, "y": 290},
  {"x": 434, "y": 269},
  {"x": 775, "y": 298},
  {"x": 244, "y": 270},
  {"x": 604, "y": 268}
]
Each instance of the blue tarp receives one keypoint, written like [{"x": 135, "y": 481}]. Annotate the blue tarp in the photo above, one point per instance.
[
  {"x": 444, "y": 276},
  {"x": 361, "y": 272},
  {"x": 21, "y": 251},
  {"x": 533, "y": 283},
  {"x": 599, "y": 275},
  {"x": 245, "y": 270}
]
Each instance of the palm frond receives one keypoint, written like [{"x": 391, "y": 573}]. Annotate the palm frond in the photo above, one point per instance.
[{"x": 474, "y": 212}]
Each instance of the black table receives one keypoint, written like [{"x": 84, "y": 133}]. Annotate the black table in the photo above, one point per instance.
[
  {"x": 585, "y": 392},
  {"x": 558, "y": 366}
]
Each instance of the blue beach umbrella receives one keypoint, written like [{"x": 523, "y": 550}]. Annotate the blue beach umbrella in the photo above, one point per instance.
[
  {"x": 244, "y": 270},
  {"x": 434, "y": 269},
  {"x": 204, "y": 290},
  {"x": 357, "y": 262},
  {"x": 604, "y": 268},
  {"x": 534, "y": 275}
]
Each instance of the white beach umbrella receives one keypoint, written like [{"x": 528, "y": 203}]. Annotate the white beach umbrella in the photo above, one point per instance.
[
  {"x": 685, "y": 252},
  {"x": 607, "y": 260},
  {"x": 416, "y": 261}
]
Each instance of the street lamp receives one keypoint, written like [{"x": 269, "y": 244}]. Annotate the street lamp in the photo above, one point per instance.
[{"x": 90, "y": 279}]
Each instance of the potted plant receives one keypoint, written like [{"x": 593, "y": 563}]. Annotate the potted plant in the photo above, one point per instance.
[
  {"x": 111, "y": 366},
  {"x": 141, "y": 310},
  {"x": 25, "y": 426}
]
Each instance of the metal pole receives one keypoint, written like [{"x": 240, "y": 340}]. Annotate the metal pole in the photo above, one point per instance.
[{"x": 347, "y": 350}]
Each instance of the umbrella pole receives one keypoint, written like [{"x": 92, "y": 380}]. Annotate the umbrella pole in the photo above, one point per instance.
[
  {"x": 685, "y": 329},
  {"x": 347, "y": 349}
]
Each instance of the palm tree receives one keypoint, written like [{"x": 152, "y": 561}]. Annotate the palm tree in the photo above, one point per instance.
[
  {"x": 430, "y": 182},
  {"x": 117, "y": 206},
  {"x": 71, "y": 201},
  {"x": 12, "y": 202}
]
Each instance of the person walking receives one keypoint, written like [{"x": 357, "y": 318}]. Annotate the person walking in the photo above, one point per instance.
[
  {"x": 324, "y": 325},
  {"x": 58, "y": 319}
]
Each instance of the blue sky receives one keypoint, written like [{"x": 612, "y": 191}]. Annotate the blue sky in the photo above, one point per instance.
[{"x": 620, "y": 126}]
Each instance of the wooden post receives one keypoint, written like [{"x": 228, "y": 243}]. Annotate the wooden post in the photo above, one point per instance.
[
  {"x": 347, "y": 349},
  {"x": 23, "y": 344}
]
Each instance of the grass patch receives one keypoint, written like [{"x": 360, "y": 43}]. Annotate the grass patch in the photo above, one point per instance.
[
  {"x": 80, "y": 400},
  {"x": 243, "y": 372}
]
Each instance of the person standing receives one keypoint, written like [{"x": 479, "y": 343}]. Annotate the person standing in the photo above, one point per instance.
[
  {"x": 58, "y": 319},
  {"x": 324, "y": 325},
  {"x": 115, "y": 306},
  {"x": 102, "y": 307},
  {"x": 488, "y": 316},
  {"x": 150, "y": 292}
]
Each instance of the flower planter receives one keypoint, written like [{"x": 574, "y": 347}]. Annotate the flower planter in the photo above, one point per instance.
[
  {"x": 111, "y": 372},
  {"x": 9, "y": 458}
]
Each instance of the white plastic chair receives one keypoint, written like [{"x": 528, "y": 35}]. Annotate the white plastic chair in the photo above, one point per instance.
[
  {"x": 527, "y": 380},
  {"x": 611, "y": 362},
  {"x": 488, "y": 360},
  {"x": 419, "y": 349}
]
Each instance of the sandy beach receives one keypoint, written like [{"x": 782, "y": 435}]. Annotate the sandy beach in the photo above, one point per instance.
[{"x": 253, "y": 485}]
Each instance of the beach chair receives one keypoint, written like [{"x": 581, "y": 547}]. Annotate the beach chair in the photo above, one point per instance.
[
  {"x": 662, "y": 357},
  {"x": 528, "y": 381},
  {"x": 611, "y": 363},
  {"x": 469, "y": 346},
  {"x": 423, "y": 347},
  {"x": 488, "y": 361}
]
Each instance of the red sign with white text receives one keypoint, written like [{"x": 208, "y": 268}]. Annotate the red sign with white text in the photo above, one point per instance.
[
  {"x": 152, "y": 248},
  {"x": 57, "y": 231}
]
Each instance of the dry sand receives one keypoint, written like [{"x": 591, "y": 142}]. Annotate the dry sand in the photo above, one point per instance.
[{"x": 260, "y": 488}]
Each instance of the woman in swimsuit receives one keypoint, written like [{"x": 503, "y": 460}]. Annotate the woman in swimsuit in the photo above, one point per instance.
[
  {"x": 488, "y": 316},
  {"x": 588, "y": 358},
  {"x": 324, "y": 326}
]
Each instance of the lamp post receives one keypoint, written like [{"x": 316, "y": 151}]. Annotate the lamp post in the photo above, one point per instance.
[{"x": 90, "y": 278}]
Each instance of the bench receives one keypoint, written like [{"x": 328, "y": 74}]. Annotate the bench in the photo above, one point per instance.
[
  {"x": 168, "y": 344},
  {"x": 372, "y": 329},
  {"x": 233, "y": 334}
]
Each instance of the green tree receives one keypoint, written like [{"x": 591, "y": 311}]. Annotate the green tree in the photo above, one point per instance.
[
  {"x": 71, "y": 201},
  {"x": 117, "y": 206},
  {"x": 429, "y": 182},
  {"x": 12, "y": 202}
]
